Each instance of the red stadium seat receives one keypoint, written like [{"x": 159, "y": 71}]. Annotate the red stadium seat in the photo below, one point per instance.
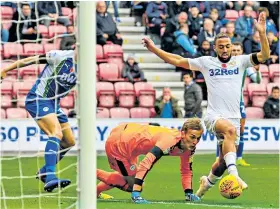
[
  {"x": 119, "y": 112},
  {"x": 254, "y": 112},
  {"x": 67, "y": 12},
  {"x": 55, "y": 30},
  {"x": 74, "y": 14},
  {"x": 67, "y": 102},
  {"x": 6, "y": 87},
  {"x": 29, "y": 70},
  {"x": 140, "y": 112},
  {"x": 6, "y": 101},
  {"x": 125, "y": 93},
  {"x": 44, "y": 31},
  {"x": 145, "y": 93},
  {"x": 1, "y": 49},
  {"x": 265, "y": 73},
  {"x": 112, "y": 50},
  {"x": 257, "y": 93},
  {"x": 108, "y": 71},
  {"x": 20, "y": 90},
  {"x": 231, "y": 15},
  {"x": 13, "y": 113},
  {"x": 6, "y": 13},
  {"x": 153, "y": 112},
  {"x": 100, "y": 54},
  {"x": 105, "y": 94},
  {"x": 274, "y": 72},
  {"x": 6, "y": 94},
  {"x": 12, "y": 50},
  {"x": 102, "y": 113},
  {"x": 57, "y": 42},
  {"x": 11, "y": 75},
  {"x": 247, "y": 80},
  {"x": 246, "y": 95},
  {"x": 269, "y": 87},
  {"x": 50, "y": 46},
  {"x": 254, "y": 14},
  {"x": 3, "y": 113},
  {"x": 119, "y": 62}
]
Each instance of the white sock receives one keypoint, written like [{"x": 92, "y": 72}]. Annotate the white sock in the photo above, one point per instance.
[
  {"x": 230, "y": 159},
  {"x": 239, "y": 158},
  {"x": 212, "y": 178}
]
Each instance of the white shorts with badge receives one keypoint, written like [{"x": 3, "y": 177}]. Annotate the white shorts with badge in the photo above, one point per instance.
[{"x": 210, "y": 123}]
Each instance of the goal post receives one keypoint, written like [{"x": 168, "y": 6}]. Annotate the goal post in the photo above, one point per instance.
[{"x": 87, "y": 105}]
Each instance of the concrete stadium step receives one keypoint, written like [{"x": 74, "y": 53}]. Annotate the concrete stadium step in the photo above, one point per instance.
[
  {"x": 126, "y": 21},
  {"x": 167, "y": 76},
  {"x": 135, "y": 48},
  {"x": 131, "y": 30},
  {"x": 133, "y": 39},
  {"x": 173, "y": 85},
  {"x": 147, "y": 58},
  {"x": 158, "y": 67},
  {"x": 181, "y": 103},
  {"x": 122, "y": 11}
]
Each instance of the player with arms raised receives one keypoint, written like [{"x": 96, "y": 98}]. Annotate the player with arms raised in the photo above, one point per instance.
[
  {"x": 127, "y": 141},
  {"x": 223, "y": 76},
  {"x": 42, "y": 102}
]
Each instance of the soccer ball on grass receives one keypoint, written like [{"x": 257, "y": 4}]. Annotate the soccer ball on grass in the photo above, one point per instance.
[{"x": 229, "y": 187}]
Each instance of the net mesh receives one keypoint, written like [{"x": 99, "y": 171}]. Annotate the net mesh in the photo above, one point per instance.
[{"x": 22, "y": 143}]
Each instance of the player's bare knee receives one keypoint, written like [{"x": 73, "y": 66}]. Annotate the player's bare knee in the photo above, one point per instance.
[{"x": 230, "y": 133}]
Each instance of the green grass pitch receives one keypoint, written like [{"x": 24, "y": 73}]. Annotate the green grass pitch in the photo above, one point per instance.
[{"x": 162, "y": 185}]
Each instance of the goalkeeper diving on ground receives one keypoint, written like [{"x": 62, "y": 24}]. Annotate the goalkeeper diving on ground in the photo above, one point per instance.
[
  {"x": 42, "y": 102},
  {"x": 127, "y": 141}
]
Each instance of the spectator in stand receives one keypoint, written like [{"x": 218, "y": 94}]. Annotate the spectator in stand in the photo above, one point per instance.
[
  {"x": 271, "y": 106},
  {"x": 137, "y": 11},
  {"x": 195, "y": 23},
  {"x": 172, "y": 24},
  {"x": 4, "y": 34},
  {"x": 157, "y": 13},
  {"x": 51, "y": 11},
  {"x": 270, "y": 26},
  {"x": 176, "y": 7},
  {"x": 208, "y": 33},
  {"x": 69, "y": 40},
  {"x": 203, "y": 6},
  {"x": 221, "y": 8},
  {"x": 166, "y": 106},
  {"x": 26, "y": 29},
  {"x": 116, "y": 9},
  {"x": 214, "y": 15},
  {"x": 182, "y": 38},
  {"x": 252, "y": 43},
  {"x": 244, "y": 25},
  {"x": 192, "y": 96},
  {"x": 131, "y": 70},
  {"x": 106, "y": 29},
  {"x": 274, "y": 48},
  {"x": 230, "y": 31},
  {"x": 273, "y": 8},
  {"x": 240, "y": 5},
  {"x": 205, "y": 50}
]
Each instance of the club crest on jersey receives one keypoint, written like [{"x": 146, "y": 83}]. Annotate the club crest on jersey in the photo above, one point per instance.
[{"x": 223, "y": 71}]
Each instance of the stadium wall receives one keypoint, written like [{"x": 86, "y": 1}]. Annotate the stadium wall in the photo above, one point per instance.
[{"x": 24, "y": 136}]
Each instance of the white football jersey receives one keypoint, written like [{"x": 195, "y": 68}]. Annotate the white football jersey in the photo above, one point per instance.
[{"x": 224, "y": 83}]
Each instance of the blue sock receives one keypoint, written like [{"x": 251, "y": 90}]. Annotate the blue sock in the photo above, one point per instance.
[
  {"x": 240, "y": 147},
  {"x": 51, "y": 150},
  {"x": 217, "y": 151}
]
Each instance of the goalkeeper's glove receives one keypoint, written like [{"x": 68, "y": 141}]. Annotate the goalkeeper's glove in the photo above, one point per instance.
[
  {"x": 136, "y": 198},
  {"x": 190, "y": 197}
]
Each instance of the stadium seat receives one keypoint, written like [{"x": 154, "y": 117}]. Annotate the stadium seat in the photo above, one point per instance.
[
  {"x": 145, "y": 93},
  {"x": 67, "y": 12},
  {"x": 140, "y": 112},
  {"x": 269, "y": 87},
  {"x": 100, "y": 54},
  {"x": 29, "y": 70},
  {"x": 6, "y": 13},
  {"x": 119, "y": 112},
  {"x": 254, "y": 112},
  {"x": 14, "y": 113},
  {"x": 6, "y": 87},
  {"x": 3, "y": 113},
  {"x": 12, "y": 50},
  {"x": 112, "y": 50},
  {"x": 57, "y": 42},
  {"x": 246, "y": 95},
  {"x": 125, "y": 94},
  {"x": 6, "y": 94},
  {"x": 44, "y": 31},
  {"x": 153, "y": 112},
  {"x": 253, "y": 13},
  {"x": 274, "y": 72},
  {"x": 50, "y": 46},
  {"x": 75, "y": 14},
  {"x": 265, "y": 73},
  {"x": 108, "y": 71},
  {"x": 247, "y": 80},
  {"x": 102, "y": 113},
  {"x": 257, "y": 94},
  {"x": 20, "y": 90},
  {"x": 231, "y": 15},
  {"x": 55, "y": 30},
  {"x": 105, "y": 94},
  {"x": 1, "y": 49},
  {"x": 119, "y": 62},
  {"x": 11, "y": 75},
  {"x": 67, "y": 102}
]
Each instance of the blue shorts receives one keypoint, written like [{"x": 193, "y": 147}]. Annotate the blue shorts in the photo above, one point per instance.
[
  {"x": 39, "y": 107},
  {"x": 242, "y": 110}
]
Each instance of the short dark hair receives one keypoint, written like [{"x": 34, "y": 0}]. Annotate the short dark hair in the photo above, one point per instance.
[
  {"x": 275, "y": 88},
  {"x": 188, "y": 72},
  {"x": 238, "y": 44},
  {"x": 220, "y": 35},
  {"x": 24, "y": 4},
  {"x": 230, "y": 22}
]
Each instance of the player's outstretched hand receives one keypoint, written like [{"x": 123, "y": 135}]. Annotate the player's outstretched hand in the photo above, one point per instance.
[
  {"x": 136, "y": 198},
  {"x": 148, "y": 43},
  {"x": 192, "y": 197},
  {"x": 261, "y": 23}
]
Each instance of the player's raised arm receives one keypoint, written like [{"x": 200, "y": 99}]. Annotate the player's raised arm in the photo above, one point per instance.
[
  {"x": 260, "y": 25},
  {"x": 167, "y": 57}
]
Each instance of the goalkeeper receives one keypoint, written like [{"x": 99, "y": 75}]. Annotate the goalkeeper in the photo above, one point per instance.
[
  {"x": 127, "y": 141},
  {"x": 42, "y": 102}
]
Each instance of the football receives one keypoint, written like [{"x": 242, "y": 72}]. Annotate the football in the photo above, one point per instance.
[{"x": 229, "y": 187}]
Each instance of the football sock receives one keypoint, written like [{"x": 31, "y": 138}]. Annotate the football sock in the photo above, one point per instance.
[
  {"x": 101, "y": 187},
  {"x": 114, "y": 179},
  {"x": 62, "y": 152},
  {"x": 218, "y": 168},
  {"x": 230, "y": 159},
  {"x": 240, "y": 148},
  {"x": 51, "y": 150},
  {"x": 212, "y": 178}
]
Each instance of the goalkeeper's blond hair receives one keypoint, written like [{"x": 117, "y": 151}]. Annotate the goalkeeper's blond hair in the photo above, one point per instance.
[{"x": 192, "y": 123}]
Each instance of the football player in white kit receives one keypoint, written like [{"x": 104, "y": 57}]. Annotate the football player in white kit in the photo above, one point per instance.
[{"x": 223, "y": 76}]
